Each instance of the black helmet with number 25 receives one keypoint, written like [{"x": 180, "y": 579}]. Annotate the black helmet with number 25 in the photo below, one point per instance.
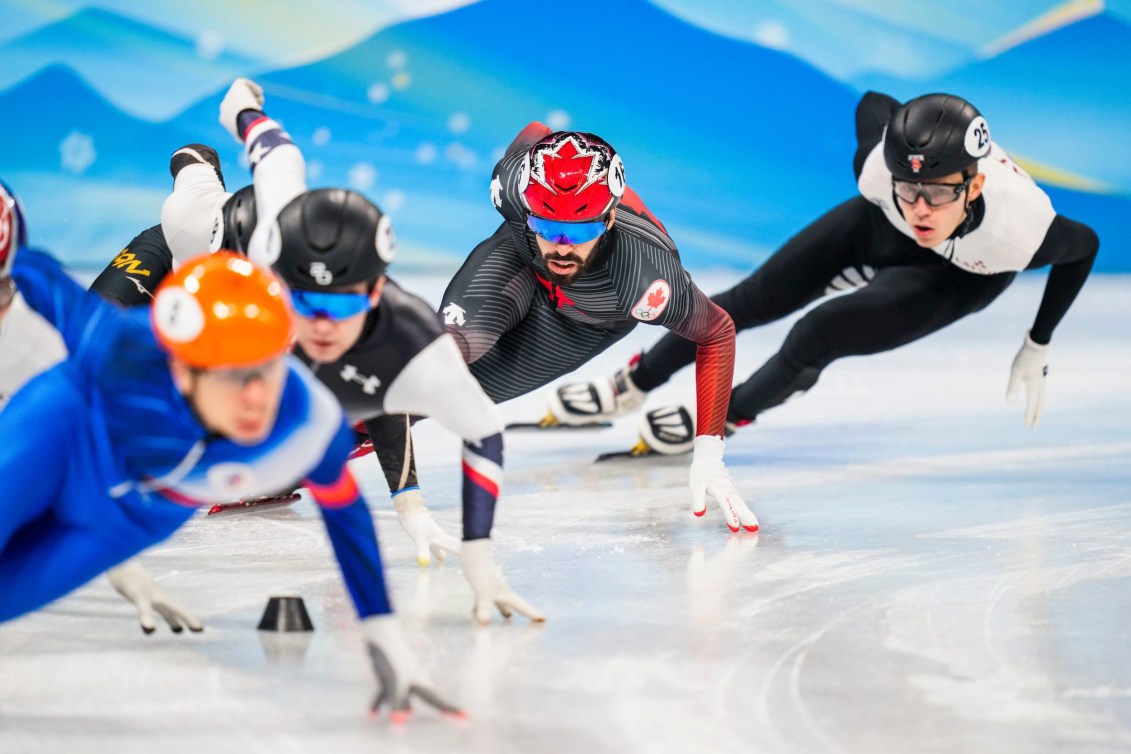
[{"x": 934, "y": 136}]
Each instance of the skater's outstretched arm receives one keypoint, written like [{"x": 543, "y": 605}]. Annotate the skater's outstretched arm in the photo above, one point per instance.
[
  {"x": 354, "y": 539},
  {"x": 1071, "y": 248},
  {"x": 437, "y": 383}
]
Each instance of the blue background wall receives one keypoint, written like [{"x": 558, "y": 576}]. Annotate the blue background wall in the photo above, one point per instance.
[{"x": 734, "y": 117}]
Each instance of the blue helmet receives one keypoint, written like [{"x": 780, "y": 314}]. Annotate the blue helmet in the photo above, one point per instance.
[{"x": 13, "y": 231}]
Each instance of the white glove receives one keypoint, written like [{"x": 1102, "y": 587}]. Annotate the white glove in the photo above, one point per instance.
[
  {"x": 399, "y": 678},
  {"x": 243, "y": 94},
  {"x": 1030, "y": 366},
  {"x": 135, "y": 584},
  {"x": 600, "y": 399},
  {"x": 709, "y": 476},
  {"x": 490, "y": 587},
  {"x": 430, "y": 540}
]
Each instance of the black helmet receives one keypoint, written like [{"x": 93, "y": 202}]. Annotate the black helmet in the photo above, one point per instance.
[
  {"x": 934, "y": 136},
  {"x": 330, "y": 238},
  {"x": 236, "y": 222}
]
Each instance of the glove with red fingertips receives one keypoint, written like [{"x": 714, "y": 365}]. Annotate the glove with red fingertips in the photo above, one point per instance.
[
  {"x": 399, "y": 678},
  {"x": 709, "y": 477}
]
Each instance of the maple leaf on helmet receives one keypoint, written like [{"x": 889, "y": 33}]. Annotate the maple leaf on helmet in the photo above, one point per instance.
[{"x": 572, "y": 176}]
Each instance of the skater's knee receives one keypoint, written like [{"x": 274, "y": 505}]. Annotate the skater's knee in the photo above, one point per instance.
[{"x": 814, "y": 342}]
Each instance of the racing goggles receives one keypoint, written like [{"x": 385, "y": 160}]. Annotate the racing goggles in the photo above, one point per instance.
[
  {"x": 239, "y": 377},
  {"x": 934, "y": 194},
  {"x": 329, "y": 305},
  {"x": 572, "y": 234}
]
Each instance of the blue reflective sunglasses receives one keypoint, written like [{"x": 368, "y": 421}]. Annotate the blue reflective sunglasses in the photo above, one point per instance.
[
  {"x": 330, "y": 305},
  {"x": 567, "y": 233}
]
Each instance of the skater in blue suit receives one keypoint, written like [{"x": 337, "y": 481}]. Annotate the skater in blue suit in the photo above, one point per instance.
[{"x": 192, "y": 402}]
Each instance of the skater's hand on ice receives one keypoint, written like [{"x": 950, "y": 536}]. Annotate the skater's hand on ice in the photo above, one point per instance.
[
  {"x": 399, "y": 678},
  {"x": 490, "y": 587},
  {"x": 243, "y": 94},
  {"x": 709, "y": 476},
  {"x": 135, "y": 584},
  {"x": 1030, "y": 367},
  {"x": 431, "y": 541}
]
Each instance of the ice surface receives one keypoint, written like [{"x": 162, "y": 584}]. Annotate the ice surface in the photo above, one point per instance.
[{"x": 931, "y": 576}]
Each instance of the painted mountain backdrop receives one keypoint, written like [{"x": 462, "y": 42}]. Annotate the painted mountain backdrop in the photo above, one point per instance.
[{"x": 736, "y": 133}]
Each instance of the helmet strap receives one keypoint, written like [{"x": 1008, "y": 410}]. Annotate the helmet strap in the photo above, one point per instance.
[{"x": 968, "y": 174}]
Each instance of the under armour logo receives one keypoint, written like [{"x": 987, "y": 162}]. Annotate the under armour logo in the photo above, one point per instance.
[
  {"x": 454, "y": 315},
  {"x": 369, "y": 384}
]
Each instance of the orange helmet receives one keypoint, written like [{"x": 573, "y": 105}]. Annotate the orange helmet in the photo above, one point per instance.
[{"x": 221, "y": 310}]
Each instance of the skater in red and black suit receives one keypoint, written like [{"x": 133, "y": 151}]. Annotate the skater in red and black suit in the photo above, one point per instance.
[{"x": 579, "y": 261}]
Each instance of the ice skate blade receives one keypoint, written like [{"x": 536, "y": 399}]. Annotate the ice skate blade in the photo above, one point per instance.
[{"x": 255, "y": 503}]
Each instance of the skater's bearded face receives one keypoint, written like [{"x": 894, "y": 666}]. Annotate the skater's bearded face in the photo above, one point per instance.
[
  {"x": 934, "y": 222},
  {"x": 326, "y": 334},
  {"x": 239, "y": 404},
  {"x": 565, "y": 259}
]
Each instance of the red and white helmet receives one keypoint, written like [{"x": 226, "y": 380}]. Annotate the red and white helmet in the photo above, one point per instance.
[
  {"x": 572, "y": 176},
  {"x": 13, "y": 232}
]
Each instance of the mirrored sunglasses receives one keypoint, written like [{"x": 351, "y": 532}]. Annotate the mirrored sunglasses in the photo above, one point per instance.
[
  {"x": 329, "y": 305},
  {"x": 565, "y": 233},
  {"x": 934, "y": 194}
]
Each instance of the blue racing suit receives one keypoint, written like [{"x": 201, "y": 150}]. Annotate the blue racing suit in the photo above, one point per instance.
[{"x": 102, "y": 456}]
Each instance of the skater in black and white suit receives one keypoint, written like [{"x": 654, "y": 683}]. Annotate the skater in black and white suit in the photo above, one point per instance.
[
  {"x": 380, "y": 350},
  {"x": 943, "y": 224}
]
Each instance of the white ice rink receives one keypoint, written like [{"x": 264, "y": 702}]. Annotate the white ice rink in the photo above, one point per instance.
[{"x": 931, "y": 576}]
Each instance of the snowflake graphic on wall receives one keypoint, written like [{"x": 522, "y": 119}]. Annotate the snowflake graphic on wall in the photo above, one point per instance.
[{"x": 76, "y": 152}]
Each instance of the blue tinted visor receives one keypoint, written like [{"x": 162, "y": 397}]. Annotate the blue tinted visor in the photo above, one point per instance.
[
  {"x": 567, "y": 233},
  {"x": 329, "y": 305}
]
